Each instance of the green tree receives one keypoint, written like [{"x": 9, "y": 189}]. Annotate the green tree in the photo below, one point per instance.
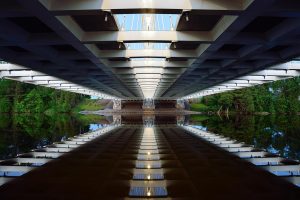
[
  {"x": 26, "y": 98},
  {"x": 281, "y": 104},
  {"x": 271, "y": 107},
  {"x": 4, "y": 104},
  {"x": 32, "y": 103},
  {"x": 225, "y": 100},
  {"x": 276, "y": 97}
]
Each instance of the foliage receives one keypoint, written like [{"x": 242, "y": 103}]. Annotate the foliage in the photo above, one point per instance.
[
  {"x": 276, "y": 97},
  {"x": 198, "y": 118},
  {"x": 88, "y": 119},
  {"x": 90, "y": 105},
  {"x": 225, "y": 100},
  {"x": 199, "y": 107},
  {"x": 25, "y": 98},
  {"x": 4, "y": 104}
]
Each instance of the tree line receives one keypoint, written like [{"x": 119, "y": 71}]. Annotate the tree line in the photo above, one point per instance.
[
  {"x": 17, "y": 97},
  {"x": 276, "y": 97}
]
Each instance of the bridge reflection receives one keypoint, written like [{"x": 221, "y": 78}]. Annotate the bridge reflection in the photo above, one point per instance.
[{"x": 152, "y": 157}]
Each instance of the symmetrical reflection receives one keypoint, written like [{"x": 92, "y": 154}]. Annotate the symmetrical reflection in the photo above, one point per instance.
[
  {"x": 26, "y": 162},
  {"x": 278, "y": 134},
  {"x": 287, "y": 168},
  {"x": 19, "y": 133},
  {"x": 151, "y": 157},
  {"x": 148, "y": 176}
]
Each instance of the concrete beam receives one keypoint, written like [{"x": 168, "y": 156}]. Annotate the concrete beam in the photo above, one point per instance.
[
  {"x": 274, "y": 72},
  {"x": 65, "y": 6},
  {"x": 147, "y": 36},
  {"x": 137, "y": 64},
  {"x": 259, "y": 78},
  {"x": 22, "y": 73},
  {"x": 155, "y": 70},
  {"x": 34, "y": 78},
  {"x": 147, "y": 53},
  {"x": 38, "y": 78},
  {"x": 245, "y": 82},
  {"x": 277, "y": 72}
]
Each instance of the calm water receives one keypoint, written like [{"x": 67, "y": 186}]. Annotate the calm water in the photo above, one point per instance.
[
  {"x": 276, "y": 134},
  {"x": 21, "y": 133}
]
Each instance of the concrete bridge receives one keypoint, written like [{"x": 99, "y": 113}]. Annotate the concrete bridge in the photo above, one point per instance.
[{"x": 149, "y": 49}]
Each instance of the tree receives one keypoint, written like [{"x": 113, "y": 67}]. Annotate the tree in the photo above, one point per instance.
[
  {"x": 225, "y": 100},
  {"x": 279, "y": 96},
  {"x": 271, "y": 107},
  {"x": 20, "y": 97},
  {"x": 33, "y": 103},
  {"x": 4, "y": 105}
]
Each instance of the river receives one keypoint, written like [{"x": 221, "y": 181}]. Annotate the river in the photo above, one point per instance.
[{"x": 276, "y": 134}]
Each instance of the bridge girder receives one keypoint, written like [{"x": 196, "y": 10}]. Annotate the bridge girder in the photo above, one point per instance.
[{"x": 213, "y": 43}]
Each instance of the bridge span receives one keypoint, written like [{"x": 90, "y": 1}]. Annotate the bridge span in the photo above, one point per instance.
[{"x": 149, "y": 49}]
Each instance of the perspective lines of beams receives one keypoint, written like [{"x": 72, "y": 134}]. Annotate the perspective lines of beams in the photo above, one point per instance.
[{"x": 149, "y": 48}]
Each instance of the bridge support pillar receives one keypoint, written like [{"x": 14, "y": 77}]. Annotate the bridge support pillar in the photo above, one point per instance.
[
  {"x": 148, "y": 104},
  {"x": 181, "y": 120},
  {"x": 117, "y": 119},
  {"x": 148, "y": 120},
  {"x": 117, "y": 104},
  {"x": 180, "y": 104}
]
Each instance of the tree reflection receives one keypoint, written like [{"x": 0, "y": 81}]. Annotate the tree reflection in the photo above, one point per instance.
[
  {"x": 21, "y": 133},
  {"x": 275, "y": 133}
]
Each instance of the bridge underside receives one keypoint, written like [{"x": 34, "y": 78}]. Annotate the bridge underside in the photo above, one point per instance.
[{"x": 151, "y": 49}]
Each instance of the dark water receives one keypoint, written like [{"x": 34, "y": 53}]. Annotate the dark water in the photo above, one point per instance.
[
  {"x": 21, "y": 133},
  {"x": 276, "y": 134}
]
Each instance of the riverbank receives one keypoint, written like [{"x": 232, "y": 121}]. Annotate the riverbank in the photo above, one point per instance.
[
  {"x": 108, "y": 112},
  {"x": 90, "y": 105},
  {"x": 204, "y": 109}
]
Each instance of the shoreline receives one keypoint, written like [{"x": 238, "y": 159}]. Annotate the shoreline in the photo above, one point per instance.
[{"x": 141, "y": 112}]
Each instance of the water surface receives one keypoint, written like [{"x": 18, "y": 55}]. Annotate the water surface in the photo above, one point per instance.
[
  {"x": 276, "y": 134},
  {"x": 21, "y": 133}
]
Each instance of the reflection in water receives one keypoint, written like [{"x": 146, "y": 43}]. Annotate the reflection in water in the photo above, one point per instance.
[
  {"x": 286, "y": 168},
  {"x": 276, "y": 134},
  {"x": 21, "y": 133},
  {"x": 154, "y": 157},
  {"x": 26, "y": 162},
  {"x": 148, "y": 179},
  {"x": 94, "y": 127}
]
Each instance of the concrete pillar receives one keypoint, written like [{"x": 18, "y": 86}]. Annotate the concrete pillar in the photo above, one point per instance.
[
  {"x": 148, "y": 104},
  {"x": 180, "y": 104},
  {"x": 181, "y": 120},
  {"x": 148, "y": 120},
  {"x": 117, "y": 119},
  {"x": 117, "y": 104}
]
